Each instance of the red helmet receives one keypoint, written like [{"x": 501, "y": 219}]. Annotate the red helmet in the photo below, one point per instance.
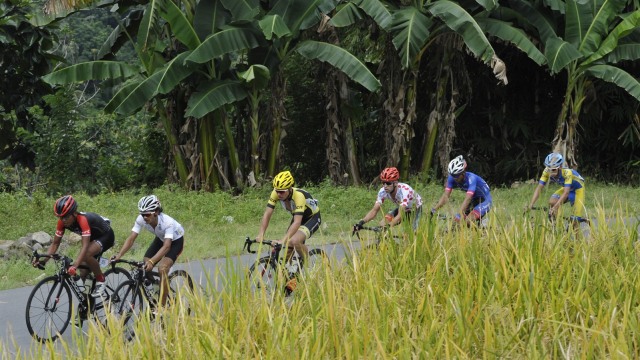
[
  {"x": 389, "y": 174},
  {"x": 65, "y": 205}
]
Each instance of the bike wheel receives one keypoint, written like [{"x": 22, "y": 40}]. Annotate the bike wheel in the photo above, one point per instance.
[
  {"x": 317, "y": 259},
  {"x": 48, "y": 310},
  {"x": 114, "y": 277},
  {"x": 181, "y": 288},
  {"x": 127, "y": 306},
  {"x": 263, "y": 275}
]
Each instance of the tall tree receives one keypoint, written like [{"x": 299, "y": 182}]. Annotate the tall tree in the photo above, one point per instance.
[{"x": 584, "y": 40}]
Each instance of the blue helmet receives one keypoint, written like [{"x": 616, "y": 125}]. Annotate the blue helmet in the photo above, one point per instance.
[{"x": 553, "y": 161}]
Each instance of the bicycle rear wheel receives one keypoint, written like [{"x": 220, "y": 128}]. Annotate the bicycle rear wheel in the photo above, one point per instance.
[
  {"x": 263, "y": 275},
  {"x": 127, "y": 306},
  {"x": 48, "y": 310},
  {"x": 181, "y": 287},
  {"x": 114, "y": 277}
]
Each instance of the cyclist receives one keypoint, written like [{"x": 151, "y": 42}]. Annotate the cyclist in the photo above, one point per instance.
[
  {"x": 477, "y": 202},
  {"x": 97, "y": 237},
  {"x": 408, "y": 200},
  {"x": 304, "y": 211},
  {"x": 166, "y": 246},
  {"x": 572, "y": 189}
]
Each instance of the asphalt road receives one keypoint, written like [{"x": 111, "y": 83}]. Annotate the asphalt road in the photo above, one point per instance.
[{"x": 15, "y": 337}]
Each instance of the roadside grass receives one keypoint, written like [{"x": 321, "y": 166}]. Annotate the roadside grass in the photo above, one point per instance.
[
  {"x": 520, "y": 289},
  {"x": 217, "y": 223}
]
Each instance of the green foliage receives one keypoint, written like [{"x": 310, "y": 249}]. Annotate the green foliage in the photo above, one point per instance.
[{"x": 92, "y": 152}]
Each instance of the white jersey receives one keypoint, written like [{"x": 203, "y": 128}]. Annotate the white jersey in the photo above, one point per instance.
[
  {"x": 405, "y": 196},
  {"x": 167, "y": 228}
]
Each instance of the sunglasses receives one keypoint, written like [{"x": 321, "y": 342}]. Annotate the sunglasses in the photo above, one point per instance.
[
  {"x": 388, "y": 183},
  {"x": 282, "y": 191},
  {"x": 146, "y": 215}
]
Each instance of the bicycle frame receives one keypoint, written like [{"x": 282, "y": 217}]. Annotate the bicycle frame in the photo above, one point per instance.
[
  {"x": 274, "y": 254},
  {"x": 138, "y": 275}
]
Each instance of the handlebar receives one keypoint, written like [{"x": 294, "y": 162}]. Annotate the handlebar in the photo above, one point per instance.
[
  {"x": 138, "y": 264},
  {"x": 357, "y": 228},
  {"x": 248, "y": 242},
  {"x": 65, "y": 260}
]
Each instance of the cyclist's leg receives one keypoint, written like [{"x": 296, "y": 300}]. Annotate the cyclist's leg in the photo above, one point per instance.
[
  {"x": 305, "y": 231},
  {"x": 577, "y": 200},
  {"x": 153, "y": 249},
  {"x": 165, "y": 265},
  {"x": 479, "y": 211}
]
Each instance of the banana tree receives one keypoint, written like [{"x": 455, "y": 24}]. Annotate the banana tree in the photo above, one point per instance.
[
  {"x": 584, "y": 39},
  {"x": 415, "y": 29}
]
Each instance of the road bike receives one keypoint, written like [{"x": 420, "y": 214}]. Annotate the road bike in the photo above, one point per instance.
[
  {"x": 380, "y": 234},
  {"x": 49, "y": 306},
  {"x": 132, "y": 298},
  {"x": 264, "y": 273},
  {"x": 566, "y": 223}
]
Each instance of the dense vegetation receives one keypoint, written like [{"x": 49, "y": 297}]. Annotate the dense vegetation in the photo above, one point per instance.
[{"x": 270, "y": 104}]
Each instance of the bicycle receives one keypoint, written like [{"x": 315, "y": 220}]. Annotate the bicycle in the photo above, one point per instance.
[
  {"x": 48, "y": 309},
  {"x": 130, "y": 297},
  {"x": 263, "y": 274},
  {"x": 381, "y": 233},
  {"x": 568, "y": 221}
]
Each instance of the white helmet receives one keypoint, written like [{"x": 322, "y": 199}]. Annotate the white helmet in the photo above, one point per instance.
[
  {"x": 149, "y": 204},
  {"x": 553, "y": 161},
  {"x": 457, "y": 166}
]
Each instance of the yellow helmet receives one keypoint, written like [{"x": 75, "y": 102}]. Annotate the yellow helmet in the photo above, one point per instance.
[{"x": 283, "y": 181}]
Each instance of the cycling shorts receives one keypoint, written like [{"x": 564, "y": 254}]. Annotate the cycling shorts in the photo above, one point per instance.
[
  {"x": 480, "y": 206},
  {"x": 106, "y": 241},
  {"x": 575, "y": 198},
  {"x": 174, "y": 251},
  {"x": 310, "y": 226},
  {"x": 413, "y": 216}
]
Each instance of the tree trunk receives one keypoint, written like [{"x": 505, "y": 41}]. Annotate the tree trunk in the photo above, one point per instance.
[
  {"x": 278, "y": 113},
  {"x": 182, "y": 170},
  {"x": 565, "y": 137},
  {"x": 234, "y": 159},
  {"x": 207, "y": 146},
  {"x": 437, "y": 114}
]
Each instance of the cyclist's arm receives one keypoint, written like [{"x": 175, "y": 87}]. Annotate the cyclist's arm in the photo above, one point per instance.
[
  {"x": 53, "y": 248},
  {"x": 536, "y": 195},
  {"x": 264, "y": 224},
  {"x": 372, "y": 213},
  {"x": 86, "y": 240},
  {"x": 126, "y": 246},
  {"x": 465, "y": 203},
  {"x": 443, "y": 199},
  {"x": 295, "y": 226}
]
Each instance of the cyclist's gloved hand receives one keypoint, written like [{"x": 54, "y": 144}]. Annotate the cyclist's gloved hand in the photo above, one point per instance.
[
  {"x": 457, "y": 218},
  {"x": 72, "y": 270},
  {"x": 359, "y": 225},
  {"x": 433, "y": 211}
]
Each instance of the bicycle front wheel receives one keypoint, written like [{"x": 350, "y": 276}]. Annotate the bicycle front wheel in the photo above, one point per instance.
[
  {"x": 263, "y": 275},
  {"x": 181, "y": 287},
  {"x": 48, "y": 311},
  {"x": 317, "y": 259},
  {"x": 127, "y": 305},
  {"x": 114, "y": 277}
]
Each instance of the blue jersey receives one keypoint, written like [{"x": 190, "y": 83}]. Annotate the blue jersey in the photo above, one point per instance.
[{"x": 472, "y": 184}]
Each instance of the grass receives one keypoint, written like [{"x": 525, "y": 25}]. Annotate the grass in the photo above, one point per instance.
[{"x": 517, "y": 290}]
